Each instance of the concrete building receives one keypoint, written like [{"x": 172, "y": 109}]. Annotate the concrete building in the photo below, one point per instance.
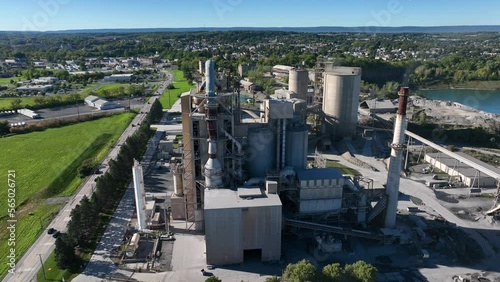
[
  {"x": 119, "y": 77},
  {"x": 89, "y": 100},
  {"x": 320, "y": 189},
  {"x": 379, "y": 106},
  {"x": 462, "y": 172},
  {"x": 244, "y": 68},
  {"x": 284, "y": 94},
  {"x": 45, "y": 80},
  {"x": 102, "y": 104},
  {"x": 35, "y": 88},
  {"x": 242, "y": 222},
  {"x": 247, "y": 85},
  {"x": 227, "y": 147},
  {"x": 281, "y": 70},
  {"x": 201, "y": 67}
]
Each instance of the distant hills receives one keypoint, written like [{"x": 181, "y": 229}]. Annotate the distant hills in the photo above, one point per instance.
[{"x": 319, "y": 29}]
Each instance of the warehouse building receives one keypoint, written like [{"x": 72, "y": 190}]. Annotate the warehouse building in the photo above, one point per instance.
[
  {"x": 100, "y": 104},
  {"x": 379, "y": 106},
  {"x": 119, "y": 77},
  {"x": 462, "y": 172},
  {"x": 241, "y": 223}
]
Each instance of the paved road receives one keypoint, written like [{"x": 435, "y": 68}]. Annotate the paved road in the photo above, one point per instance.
[{"x": 29, "y": 265}]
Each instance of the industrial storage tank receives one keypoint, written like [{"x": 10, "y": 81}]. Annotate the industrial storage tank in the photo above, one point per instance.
[
  {"x": 298, "y": 81},
  {"x": 341, "y": 91},
  {"x": 261, "y": 152},
  {"x": 296, "y": 147}
]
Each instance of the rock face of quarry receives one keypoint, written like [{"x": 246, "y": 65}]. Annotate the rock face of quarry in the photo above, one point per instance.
[{"x": 446, "y": 112}]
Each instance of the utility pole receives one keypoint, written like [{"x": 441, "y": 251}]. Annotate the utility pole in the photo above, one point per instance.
[{"x": 43, "y": 268}]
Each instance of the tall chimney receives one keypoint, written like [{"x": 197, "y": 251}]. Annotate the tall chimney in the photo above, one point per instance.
[
  {"x": 396, "y": 159},
  {"x": 213, "y": 168},
  {"x": 140, "y": 202}
]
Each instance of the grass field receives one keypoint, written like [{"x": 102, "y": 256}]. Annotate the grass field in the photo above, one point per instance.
[
  {"x": 46, "y": 166},
  {"x": 52, "y": 273},
  {"x": 171, "y": 95},
  {"x": 6, "y": 103},
  {"x": 112, "y": 86},
  {"x": 343, "y": 169},
  {"x": 8, "y": 79}
]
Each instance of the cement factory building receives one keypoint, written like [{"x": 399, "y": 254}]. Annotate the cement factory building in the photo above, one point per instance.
[
  {"x": 240, "y": 166},
  {"x": 239, "y": 221}
]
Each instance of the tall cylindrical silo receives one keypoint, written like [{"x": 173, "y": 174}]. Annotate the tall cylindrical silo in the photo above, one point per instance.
[
  {"x": 298, "y": 81},
  {"x": 340, "y": 100},
  {"x": 296, "y": 147},
  {"x": 261, "y": 152}
]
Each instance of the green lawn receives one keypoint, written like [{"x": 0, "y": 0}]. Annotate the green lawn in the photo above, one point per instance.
[
  {"x": 343, "y": 169},
  {"x": 45, "y": 164},
  {"x": 171, "y": 95},
  {"x": 8, "y": 79},
  {"x": 52, "y": 273},
  {"x": 6, "y": 103}
]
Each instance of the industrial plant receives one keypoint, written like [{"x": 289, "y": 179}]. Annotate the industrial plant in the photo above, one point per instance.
[{"x": 246, "y": 176}]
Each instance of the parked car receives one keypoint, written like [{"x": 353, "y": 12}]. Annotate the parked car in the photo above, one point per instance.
[
  {"x": 56, "y": 234},
  {"x": 51, "y": 231}
]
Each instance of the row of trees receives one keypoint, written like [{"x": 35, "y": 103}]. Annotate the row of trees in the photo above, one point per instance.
[
  {"x": 304, "y": 270},
  {"x": 87, "y": 219}
]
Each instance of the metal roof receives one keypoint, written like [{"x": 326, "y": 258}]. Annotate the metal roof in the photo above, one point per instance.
[
  {"x": 318, "y": 173},
  {"x": 493, "y": 173},
  {"x": 461, "y": 167},
  {"x": 91, "y": 98},
  {"x": 100, "y": 102},
  {"x": 378, "y": 104}
]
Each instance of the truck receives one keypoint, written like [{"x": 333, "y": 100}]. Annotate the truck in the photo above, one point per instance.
[{"x": 29, "y": 113}]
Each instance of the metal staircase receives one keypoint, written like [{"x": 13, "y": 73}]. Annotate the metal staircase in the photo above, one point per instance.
[{"x": 378, "y": 209}]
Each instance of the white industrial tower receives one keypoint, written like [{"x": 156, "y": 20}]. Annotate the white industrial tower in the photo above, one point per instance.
[
  {"x": 398, "y": 145},
  {"x": 140, "y": 202}
]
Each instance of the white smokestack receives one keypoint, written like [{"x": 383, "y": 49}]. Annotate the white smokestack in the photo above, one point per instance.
[
  {"x": 140, "y": 202},
  {"x": 396, "y": 159}
]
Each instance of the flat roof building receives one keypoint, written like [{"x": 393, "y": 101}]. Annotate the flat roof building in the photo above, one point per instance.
[
  {"x": 466, "y": 174},
  {"x": 119, "y": 77},
  {"x": 379, "y": 106},
  {"x": 239, "y": 222}
]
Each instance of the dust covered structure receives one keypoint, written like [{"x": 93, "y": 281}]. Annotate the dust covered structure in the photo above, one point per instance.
[{"x": 242, "y": 222}]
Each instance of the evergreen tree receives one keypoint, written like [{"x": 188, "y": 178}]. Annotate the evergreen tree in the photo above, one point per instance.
[{"x": 65, "y": 254}]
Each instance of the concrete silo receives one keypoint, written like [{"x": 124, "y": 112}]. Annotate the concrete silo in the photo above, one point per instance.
[
  {"x": 261, "y": 152},
  {"x": 298, "y": 81},
  {"x": 296, "y": 147},
  {"x": 340, "y": 100}
]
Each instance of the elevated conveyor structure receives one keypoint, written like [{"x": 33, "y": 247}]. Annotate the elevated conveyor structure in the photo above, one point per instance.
[{"x": 334, "y": 229}]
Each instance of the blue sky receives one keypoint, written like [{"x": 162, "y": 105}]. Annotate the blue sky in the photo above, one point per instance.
[{"x": 92, "y": 14}]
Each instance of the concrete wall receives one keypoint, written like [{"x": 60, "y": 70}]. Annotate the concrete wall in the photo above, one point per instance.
[
  {"x": 223, "y": 236},
  {"x": 228, "y": 232}
]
